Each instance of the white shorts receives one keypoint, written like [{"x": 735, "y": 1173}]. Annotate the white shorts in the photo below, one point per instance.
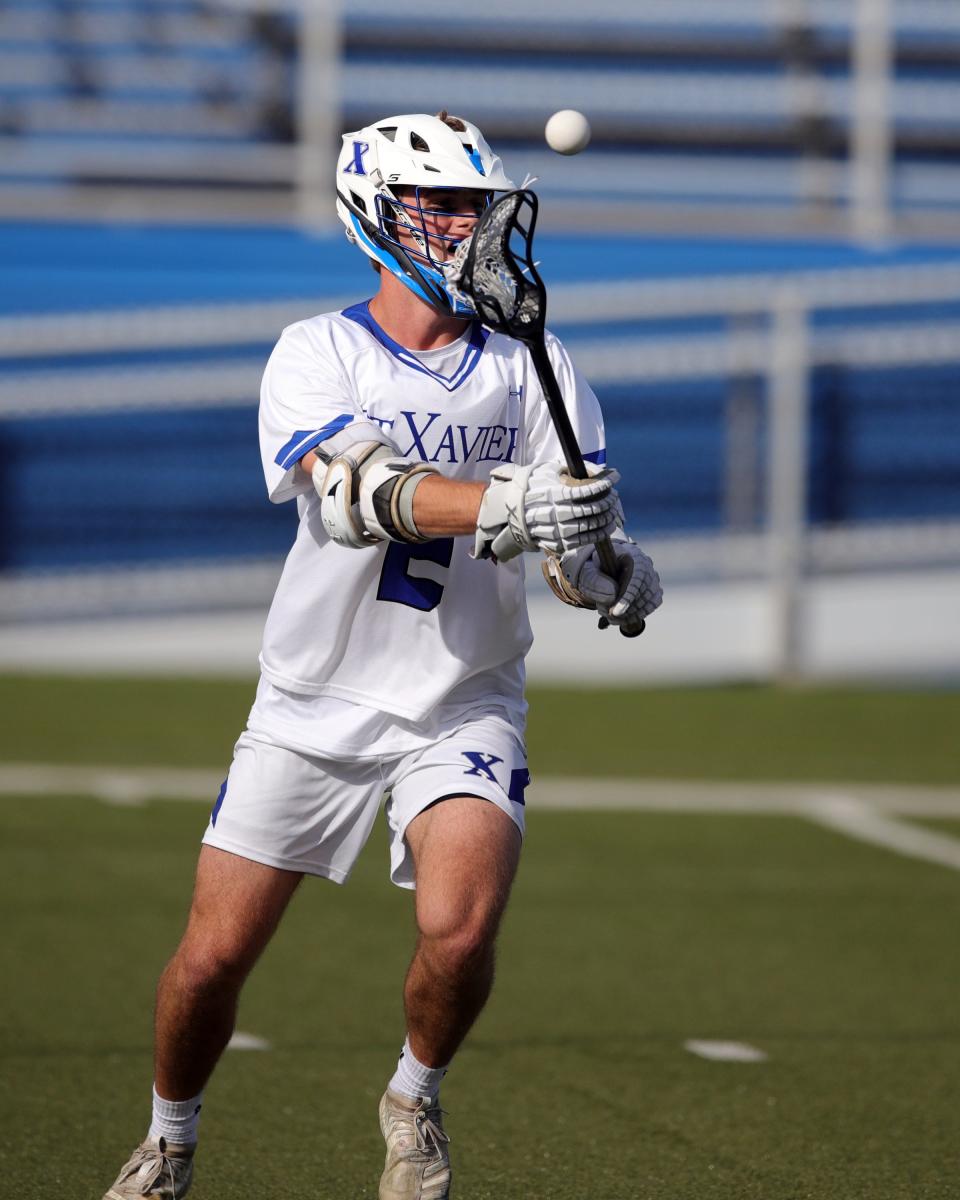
[{"x": 299, "y": 812}]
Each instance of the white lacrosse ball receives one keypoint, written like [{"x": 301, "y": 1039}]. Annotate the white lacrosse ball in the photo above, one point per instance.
[{"x": 567, "y": 131}]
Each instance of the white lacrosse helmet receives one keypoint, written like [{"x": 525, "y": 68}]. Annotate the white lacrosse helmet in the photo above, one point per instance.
[{"x": 422, "y": 153}]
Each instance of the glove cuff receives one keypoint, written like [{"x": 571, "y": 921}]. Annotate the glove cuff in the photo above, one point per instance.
[
  {"x": 502, "y": 531},
  {"x": 560, "y": 585}
]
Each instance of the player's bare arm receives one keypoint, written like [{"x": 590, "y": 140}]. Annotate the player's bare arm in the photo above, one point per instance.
[
  {"x": 442, "y": 507},
  {"x": 369, "y": 494}
]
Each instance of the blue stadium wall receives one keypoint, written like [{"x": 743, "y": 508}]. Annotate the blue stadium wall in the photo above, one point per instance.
[{"x": 120, "y": 488}]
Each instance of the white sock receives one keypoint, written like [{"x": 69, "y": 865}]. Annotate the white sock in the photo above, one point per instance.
[
  {"x": 413, "y": 1079},
  {"x": 176, "y": 1120}
]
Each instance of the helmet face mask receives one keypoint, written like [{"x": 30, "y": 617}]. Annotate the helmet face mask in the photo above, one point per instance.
[
  {"x": 392, "y": 180},
  {"x": 416, "y": 221}
]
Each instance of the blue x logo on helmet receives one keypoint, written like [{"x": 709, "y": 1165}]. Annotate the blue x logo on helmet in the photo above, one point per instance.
[{"x": 388, "y": 177}]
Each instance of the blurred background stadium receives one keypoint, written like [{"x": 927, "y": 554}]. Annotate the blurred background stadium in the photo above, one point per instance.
[{"x": 756, "y": 263}]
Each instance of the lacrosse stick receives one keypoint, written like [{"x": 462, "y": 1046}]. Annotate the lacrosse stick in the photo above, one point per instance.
[{"x": 494, "y": 270}]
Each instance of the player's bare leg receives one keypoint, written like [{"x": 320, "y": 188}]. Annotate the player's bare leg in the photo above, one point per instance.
[
  {"x": 465, "y": 853},
  {"x": 236, "y": 907}
]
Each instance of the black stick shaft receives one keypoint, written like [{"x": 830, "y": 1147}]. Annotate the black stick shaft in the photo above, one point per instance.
[
  {"x": 568, "y": 439},
  {"x": 558, "y": 410}
]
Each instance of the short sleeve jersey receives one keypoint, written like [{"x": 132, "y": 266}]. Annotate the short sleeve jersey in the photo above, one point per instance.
[{"x": 396, "y": 628}]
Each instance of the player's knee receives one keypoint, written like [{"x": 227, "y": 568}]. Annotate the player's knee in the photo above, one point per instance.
[
  {"x": 211, "y": 964},
  {"x": 462, "y": 941}
]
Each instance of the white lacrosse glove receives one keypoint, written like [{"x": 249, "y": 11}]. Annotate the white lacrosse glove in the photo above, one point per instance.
[
  {"x": 577, "y": 578},
  {"x": 541, "y": 507}
]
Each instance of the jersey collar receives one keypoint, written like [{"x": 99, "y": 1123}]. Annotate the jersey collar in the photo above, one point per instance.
[{"x": 360, "y": 313}]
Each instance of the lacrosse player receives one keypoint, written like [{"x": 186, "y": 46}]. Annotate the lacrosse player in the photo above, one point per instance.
[{"x": 420, "y": 454}]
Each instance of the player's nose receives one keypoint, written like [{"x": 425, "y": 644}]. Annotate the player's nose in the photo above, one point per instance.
[{"x": 464, "y": 219}]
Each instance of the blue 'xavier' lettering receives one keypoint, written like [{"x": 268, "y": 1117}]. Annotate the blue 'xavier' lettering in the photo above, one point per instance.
[
  {"x": 482, "y": 764},
  {"x": 418, "y": 434},
  {"x": 487, "y": 444},
  {"x": 467, "y": 451},
  {"x": 508, "y": 457},
  {"x": 383, "y": 422},
  {"x": 493, "y": 443},
  {"x": 446, "y": 443}
]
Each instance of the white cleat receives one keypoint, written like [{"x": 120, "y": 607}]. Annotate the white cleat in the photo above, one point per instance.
[
  {"x": 418, "y": 1161},
  {"x": 156, "y": 1168}
]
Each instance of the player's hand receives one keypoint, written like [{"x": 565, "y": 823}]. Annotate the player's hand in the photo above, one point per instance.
[
  {"x": 624, "y": 601},
  {"x": 531, "y": 508}
]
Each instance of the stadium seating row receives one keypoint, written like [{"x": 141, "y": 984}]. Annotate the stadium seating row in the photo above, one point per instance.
[{"x": 761, "y": 90}]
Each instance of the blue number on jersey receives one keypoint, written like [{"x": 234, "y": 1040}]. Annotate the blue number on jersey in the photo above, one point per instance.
[{"x": 397, "y": 586}]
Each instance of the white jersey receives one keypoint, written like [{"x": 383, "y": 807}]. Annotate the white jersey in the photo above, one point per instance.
[{"x": 424, "y": 632}]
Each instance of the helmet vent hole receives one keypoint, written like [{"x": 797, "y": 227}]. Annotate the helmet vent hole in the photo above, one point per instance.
[
  {"x": 358, "y": 201},
  {"x": 388, "y": 131},
  {"x": 435, "y": 170},
  {"x": 417, "y": 142}
]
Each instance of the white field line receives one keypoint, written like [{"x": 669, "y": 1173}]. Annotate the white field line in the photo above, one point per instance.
[
  {"x": 657, "y": 795},
  {"x": 132, "y": 784},
  {"x": 247, "y": 1041},
  {"x": 864, "y": 812},
  {"x": 113, "y": 785},
  {"x": 725, "y": 1051},
  {"x": 849, "y": 815}
]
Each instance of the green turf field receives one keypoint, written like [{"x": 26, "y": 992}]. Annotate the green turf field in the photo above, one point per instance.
[
  {"x": 629, "y": 934},
  {"x": 662, "y": 733}
]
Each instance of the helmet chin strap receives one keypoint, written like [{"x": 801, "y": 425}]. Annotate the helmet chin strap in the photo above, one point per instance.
[{"x": 428, "y": 285}]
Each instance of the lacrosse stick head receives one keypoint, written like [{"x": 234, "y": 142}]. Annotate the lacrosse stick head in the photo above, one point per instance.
[{"x": 494, "y": 270}]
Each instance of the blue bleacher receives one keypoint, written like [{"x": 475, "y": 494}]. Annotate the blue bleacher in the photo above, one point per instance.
[
  {"x": 84, "y": 69},
  {"x": 885, "y": 445},
  {"x": 509, "y": 68}
]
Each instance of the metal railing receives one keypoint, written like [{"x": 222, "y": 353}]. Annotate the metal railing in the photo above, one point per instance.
[{"x": 779, "y": 342}]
